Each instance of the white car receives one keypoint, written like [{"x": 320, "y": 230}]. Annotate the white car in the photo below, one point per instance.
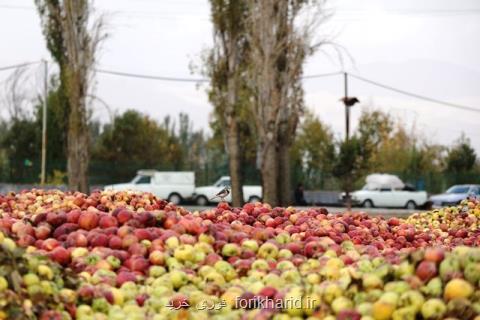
[
  {"x": 173, "y": 186},
  {"x": 204, "y": 195},
  {"x": 384, "y": 190}
]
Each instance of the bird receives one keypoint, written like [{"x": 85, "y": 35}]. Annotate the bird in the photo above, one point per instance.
[
  {"x": 349, "y": 101},
  {"x": 222, "y": 194}
]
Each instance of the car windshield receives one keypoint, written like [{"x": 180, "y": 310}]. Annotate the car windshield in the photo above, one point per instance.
[
  {"x": 458, "y": 189},
  {"x": 142, "y": 179},
  {"x": 223, "y": 183}
]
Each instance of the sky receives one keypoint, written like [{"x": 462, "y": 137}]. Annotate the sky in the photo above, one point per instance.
[{"x": 426, "y": 47}]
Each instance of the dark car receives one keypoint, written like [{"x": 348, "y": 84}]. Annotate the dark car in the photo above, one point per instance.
[{"x": 454, "y": 195}]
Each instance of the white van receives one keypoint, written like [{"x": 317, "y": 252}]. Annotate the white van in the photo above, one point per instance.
[{"x": 174, "y": 186}]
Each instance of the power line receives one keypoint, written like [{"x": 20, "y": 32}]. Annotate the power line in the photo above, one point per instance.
[
  {"x": 18, "y": 65},
  {"x": 176, "y": 79},
  {"x": 322, "y": 75},
  {"x": 150, "y": 77},
  {"x": 449, "y": 104},
  {"x": 313, "y": 76}
]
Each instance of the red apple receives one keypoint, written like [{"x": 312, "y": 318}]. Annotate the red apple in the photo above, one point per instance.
[
  {"x": 434, "y": 254},
  {"x": 426, "y": 270},
  {"x": 125, "y": 276},
  {"x": 157, "y": 257},
  {"x": 107, "y": 221},
  {"x": 124, "y": 216},
  {"x": 88, "y": 220},
  {"x": 50, "y": 244},
  {"x": 73, "y": 216},
  {"x": 60, "y": 255},
  {"x": 115, "y": 242}
]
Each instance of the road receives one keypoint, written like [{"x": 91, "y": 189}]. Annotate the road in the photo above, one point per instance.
[{"x": 399, "y": 213}]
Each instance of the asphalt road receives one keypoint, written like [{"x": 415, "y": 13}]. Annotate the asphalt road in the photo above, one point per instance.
[{"x": 399, "y": 213}]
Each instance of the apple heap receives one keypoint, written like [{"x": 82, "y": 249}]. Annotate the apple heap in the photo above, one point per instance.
[
  {"x": 139, "y": 257},
  {"x": 31, "y": 286},
  {"x": 460, "y": 224}
]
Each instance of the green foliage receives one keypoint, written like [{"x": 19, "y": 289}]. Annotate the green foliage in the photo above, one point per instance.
[
  {"x": 461, "y": 157},
  {"x": 352, "y": 162},
  {"x": 313, "y": 151},
  {"x": 21, "y": 146},
  {"x": 135, "y": 141}
]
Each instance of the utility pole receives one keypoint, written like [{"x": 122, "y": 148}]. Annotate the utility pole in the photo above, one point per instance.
[
  {"x": 348, "y": 102},
  {"x": 347, "y": 108},
  {"x": 44, "y": 126}
]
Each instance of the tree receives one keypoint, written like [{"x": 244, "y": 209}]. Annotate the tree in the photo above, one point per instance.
[
  {"x": 461, "y": 157},
  {"x": 133, "y": 142},
  {"x": 56, "y": 127},
  {"x": 374, "y": 129},
  {"x": 314, "y": 150},
  {"x": 226, "y": 64},
  {"x": 351, "y": 162},
  {"x": 278, "y": 47},
  {"x": 73, "y": 44},
  {"x": 20, "y": 143}
]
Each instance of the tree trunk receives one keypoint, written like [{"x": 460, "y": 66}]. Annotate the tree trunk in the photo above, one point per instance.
[
  {"x": 78, "y": 153},
  {"x": 269, "y": 171},
  {"x": 234, "y": 163},
  {"x": 231, "y": 123},
  {"x": 284, "y": 175}
]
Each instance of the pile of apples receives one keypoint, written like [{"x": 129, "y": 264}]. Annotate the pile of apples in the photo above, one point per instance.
[
  {"x": 32, "y": 286},
  {"x": 139, "y": 257}
]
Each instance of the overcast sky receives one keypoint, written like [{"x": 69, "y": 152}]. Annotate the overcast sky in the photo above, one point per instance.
[{"x": 427, "y": 47}]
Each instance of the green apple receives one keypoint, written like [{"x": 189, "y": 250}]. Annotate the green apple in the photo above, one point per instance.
[
  {"x": 283, "y": 238},
  {"x": 472, "y": 272},
  {"x": 397, "y": 286},
  {"x": 404, "y": 269},
  {"x": 285, "y": 254},
  {"x": 206, "y": 238},
  {"x": 364, "y": 308},
  {"x": 215, "y": 277},
  {"x": 178, "y": 278},
  {"x": 405, "y": 313},
  {"x": 340, "y": 304},
  {"x": 433, "y": 309},
  {"x": 371, "y": 281},
  {"x": 204, "y": 270},
  {"x": 250, "y": 244},
  {"x": 231, "y": 250},
  {"x": 434, "y": 287},
  {"x": 30, "y": 279},
  {"x": 156, "y": 271},
  {"x": 285, "y": 265},
  {"x": 172, "y": 242},
  {"x": 291, "y": 276},
  {"x": 79, "y": 252},
  {"x": 3, "y": 283},
  {"x": 413, "y": 299},
  {"x": 331, "y": 291},
  {"x": 268, "y": 250},
  {"x": 203, "y": 247},
  {"x": 260, "y": 264},
  {"x": 390, "y": 297},
  {"x": 184, "y": 252}
]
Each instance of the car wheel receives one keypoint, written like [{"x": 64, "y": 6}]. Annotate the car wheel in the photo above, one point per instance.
[
  {"x": 174, "y": 198},
  {"x": 253, "y": 199},
  {"x": 411, "y": 205},
  {"x": 367, "y": 204},
  {"x": 201, "y": 201}
]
